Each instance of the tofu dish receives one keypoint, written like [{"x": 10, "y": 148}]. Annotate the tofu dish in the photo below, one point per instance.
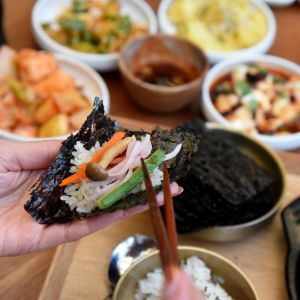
[
  {"x": 99, "y": 169},
  {"x": 259, "y": 99}
]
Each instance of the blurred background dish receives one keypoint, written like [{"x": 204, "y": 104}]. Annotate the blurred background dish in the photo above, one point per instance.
[
  {"x": 277, "y": 114},
  {"x": 280, "y": 3},
  {"x": 223, "y": 30},
  {"x": 230, "y": 277},
  {"x": 162, "y": 73},
  {"x": 45, "y": 96},
  {"x": 83, "y": 32}
]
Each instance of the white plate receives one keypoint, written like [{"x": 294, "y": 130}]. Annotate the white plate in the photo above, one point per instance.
[
  {"x": 92, "y": 83},
  {"x": 280, "y": 3},
  {"x": 288, "y": 142},
  {"x": 47, "y": 10},
  {"x": 215, "y": 56}
]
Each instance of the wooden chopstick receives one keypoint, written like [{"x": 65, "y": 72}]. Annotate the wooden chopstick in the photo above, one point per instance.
[
  {"x": 159, "y": 228},
  {"x": 170, "y": 217},
  {"x": 168, "y": 249}
]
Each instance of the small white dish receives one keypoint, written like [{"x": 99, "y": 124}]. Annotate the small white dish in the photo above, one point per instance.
[
  {"x": 288, "y": 142},
  {"x": 48, "y": 10},
  {"x": 166, "y": 26},
  {"x": 92, "y": 85},
  {"x": 280, "y": 3}
]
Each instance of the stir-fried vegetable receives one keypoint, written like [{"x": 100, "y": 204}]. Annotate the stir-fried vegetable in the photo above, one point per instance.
[
  {"x": 115, "y": 138},
  {"x": 114, "y": 151},
  {"x": 93, "y": 27},
  {"x": 137, "y": 178}
]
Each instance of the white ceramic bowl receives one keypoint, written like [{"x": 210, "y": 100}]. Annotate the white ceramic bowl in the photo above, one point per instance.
[
  {"x": 288, "y": 142},
  {"x": 280, "y": 3},
  {"x": 92, "y": 85},
  {"x": 263, "y": 46},
  {"x": 47, "y": 10}
]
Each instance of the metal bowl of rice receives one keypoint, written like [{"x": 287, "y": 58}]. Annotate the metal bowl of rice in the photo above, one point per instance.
[{"x": 212, "y": 273}]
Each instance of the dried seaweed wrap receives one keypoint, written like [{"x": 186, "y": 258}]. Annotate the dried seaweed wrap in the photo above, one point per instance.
[
  {"x": 46, "y": 206},
  {"x": 223, "y": 187}
]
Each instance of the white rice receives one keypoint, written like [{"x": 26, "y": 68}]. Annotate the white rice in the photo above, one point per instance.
[
  {"x": 149, "y": 288},
  {"x": 81, "y": 155}
]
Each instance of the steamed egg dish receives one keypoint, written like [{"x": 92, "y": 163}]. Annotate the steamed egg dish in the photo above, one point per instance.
[{"x": 219, "y": 25}]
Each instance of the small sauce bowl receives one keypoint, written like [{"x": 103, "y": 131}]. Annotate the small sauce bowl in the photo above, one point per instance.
[{"x": 174, "y": 66}]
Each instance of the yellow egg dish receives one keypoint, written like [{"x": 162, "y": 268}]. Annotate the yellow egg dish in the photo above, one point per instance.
[{"x": 219, "y": 25}]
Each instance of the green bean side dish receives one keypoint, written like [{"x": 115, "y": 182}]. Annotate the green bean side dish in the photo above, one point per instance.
[{"x": 93, "y": 27}]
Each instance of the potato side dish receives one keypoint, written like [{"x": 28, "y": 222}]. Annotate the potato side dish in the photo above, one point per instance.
[
  {"x": 219, "y": 25},
  {"x": 93, "y": 26},
  {"x": 37, "y": 98},
  {"x": 259, "y": 99}
]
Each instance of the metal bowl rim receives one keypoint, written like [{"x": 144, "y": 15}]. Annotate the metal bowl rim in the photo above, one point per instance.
[{"x": 191, "y": 248}]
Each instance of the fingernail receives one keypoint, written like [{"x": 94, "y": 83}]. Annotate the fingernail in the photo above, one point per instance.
[{"x": 179, "y": 191}]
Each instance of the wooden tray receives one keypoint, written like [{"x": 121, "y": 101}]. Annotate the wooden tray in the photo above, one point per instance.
[{"x": 79, "y": 269}]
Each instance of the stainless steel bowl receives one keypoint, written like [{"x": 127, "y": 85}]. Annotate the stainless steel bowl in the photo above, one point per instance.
[
  {"x": 269, "y": 160},
  {"x": 235, "y": 283}
]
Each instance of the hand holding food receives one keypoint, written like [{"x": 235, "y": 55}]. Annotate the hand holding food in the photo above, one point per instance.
[
  {"x": 20, "y": 166},
  {"x": 98, "y": 170}
]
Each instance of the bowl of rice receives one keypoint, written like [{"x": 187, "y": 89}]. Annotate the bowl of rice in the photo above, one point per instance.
[{"x": 213, "y": 274}]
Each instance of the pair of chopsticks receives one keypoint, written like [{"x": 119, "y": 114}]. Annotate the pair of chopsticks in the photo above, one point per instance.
[{"x": 166, "y": 236}]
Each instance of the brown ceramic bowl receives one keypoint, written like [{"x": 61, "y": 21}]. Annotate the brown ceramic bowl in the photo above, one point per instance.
[{"x": 164, "y": 53}]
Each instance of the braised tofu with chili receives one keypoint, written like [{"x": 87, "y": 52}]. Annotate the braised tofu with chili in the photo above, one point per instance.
[{"x": 259, "y": 99}]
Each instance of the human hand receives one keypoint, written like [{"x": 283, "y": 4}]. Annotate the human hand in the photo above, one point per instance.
[
  {"x": 180, "y": 287},
  {"x": 21, "y": 164}
]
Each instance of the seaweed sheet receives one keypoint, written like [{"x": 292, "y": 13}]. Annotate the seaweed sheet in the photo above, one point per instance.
[
  {"x": 45, "y": 205},
  {"x": 223, "y": 186}
]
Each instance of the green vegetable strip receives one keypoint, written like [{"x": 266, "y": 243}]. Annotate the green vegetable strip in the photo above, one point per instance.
[
  {"x": 242, "y": 88},
  {"x": 79, "y": 6},
  {"x": 72, "y": 24},
  {"x": 18, "y": 90},
  {"x": 136, "y": 178}
]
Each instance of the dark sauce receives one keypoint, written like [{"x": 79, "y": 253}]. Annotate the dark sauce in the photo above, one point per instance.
[{"x": 165, "y": 74}]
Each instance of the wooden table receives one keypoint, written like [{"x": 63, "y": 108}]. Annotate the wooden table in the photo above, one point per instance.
[{"x": 22, "y": 277}]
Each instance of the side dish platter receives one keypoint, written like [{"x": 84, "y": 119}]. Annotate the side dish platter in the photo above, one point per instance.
[
  {"x": 218, "y": 27},
  {"x": 77, "y": 28},
  {"x": 262, "y": 94},
  {"x": 44, "y": 95}
]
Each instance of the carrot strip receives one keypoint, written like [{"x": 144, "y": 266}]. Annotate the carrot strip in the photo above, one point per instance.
[
  {"x": 73, "y": 178},
  {"x": 81, "y": 173},
  {"x": 115, "y": 138}
]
